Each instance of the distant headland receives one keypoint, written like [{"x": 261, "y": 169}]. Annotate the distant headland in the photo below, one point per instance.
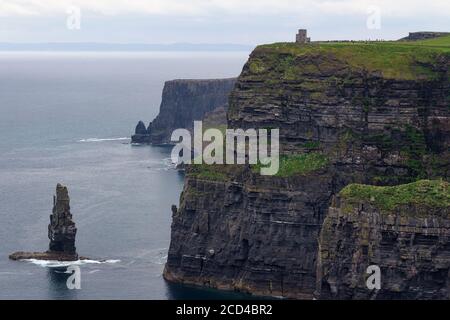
[{"x": 122, "y": 47}]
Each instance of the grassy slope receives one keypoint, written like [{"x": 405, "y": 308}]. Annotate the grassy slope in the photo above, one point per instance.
[
  {"x": 290, "y": 165},
  {"x": 443, "y": 42},
  {"x": 300, "y": 164},
  {"x": 406, "y": 60},
  {"x": 429, "y": 193}
]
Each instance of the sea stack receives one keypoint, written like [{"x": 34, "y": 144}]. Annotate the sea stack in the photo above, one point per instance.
[{"x": 61, "y": 232}]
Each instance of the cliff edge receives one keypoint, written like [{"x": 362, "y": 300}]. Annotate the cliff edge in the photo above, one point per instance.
[{"x": 368, "y": 113}]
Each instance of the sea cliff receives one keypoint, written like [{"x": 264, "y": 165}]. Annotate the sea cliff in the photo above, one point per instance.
[
  {"x": 404, "y": 230},
  {"x": 371, "y": 113},
  {"x": 183, "y": 102}
]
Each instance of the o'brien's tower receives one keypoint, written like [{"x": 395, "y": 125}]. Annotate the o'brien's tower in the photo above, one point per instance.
[{"x": 302, "y": 36}]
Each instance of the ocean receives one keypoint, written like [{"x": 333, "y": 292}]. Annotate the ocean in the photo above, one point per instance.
[{"x": 67, "y": 118}]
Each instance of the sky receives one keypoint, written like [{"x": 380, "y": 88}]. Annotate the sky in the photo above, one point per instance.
[{"x": 212, "y": 21}]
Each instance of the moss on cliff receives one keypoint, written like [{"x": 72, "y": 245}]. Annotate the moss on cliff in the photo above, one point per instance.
[
  {"x": 429, "y": 193},
  {"x": 301, "y": 164}
]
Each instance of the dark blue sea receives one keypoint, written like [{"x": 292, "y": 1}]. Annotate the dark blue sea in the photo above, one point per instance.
[{"x": 66, "y": 118}]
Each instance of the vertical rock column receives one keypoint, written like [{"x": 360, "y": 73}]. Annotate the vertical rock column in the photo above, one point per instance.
[{"x": 62, "y": 230}]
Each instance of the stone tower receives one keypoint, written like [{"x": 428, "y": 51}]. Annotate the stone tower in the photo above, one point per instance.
[
  {"x": 302, "y": 37},
  {"x": 62, "y": 230}
]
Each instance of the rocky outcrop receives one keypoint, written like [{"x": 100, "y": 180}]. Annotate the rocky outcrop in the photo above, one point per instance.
[
  {"x": 183, "y": 102},
  {"x": 251, "y": 233},
  {"x": 407, "y": 238},
  {"x": 61, "y": 232},
  {"x": 141, "y": 129},
  {"x": 54, "y": 256},
  {"x": 375, "y": 123},
  {"x": 141, "y": 134}
]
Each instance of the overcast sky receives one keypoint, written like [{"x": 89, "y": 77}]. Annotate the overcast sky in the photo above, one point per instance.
[{"x": 216, "y": 21}]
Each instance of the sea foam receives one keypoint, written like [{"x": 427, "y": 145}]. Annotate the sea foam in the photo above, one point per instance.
[
  {"x": 60, "y": 264},
  {"x": 104, "y": 139}
]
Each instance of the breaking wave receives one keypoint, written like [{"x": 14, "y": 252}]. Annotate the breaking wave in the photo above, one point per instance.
[
  {"x": 101, "y": 140},
  {"x": 59, "y": 264}
]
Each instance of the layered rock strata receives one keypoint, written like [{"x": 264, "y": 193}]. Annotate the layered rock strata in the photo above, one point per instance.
[
  {"x": 345, "y": 116},
  {"x": 246, "y": 233},
  {"x": 408, "y": 239}
]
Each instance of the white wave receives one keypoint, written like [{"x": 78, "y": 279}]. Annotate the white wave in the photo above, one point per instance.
[
  {"x": 59, "y": 264},
  {"x": 169, "y": 163},
  {"x": 94, "y": 271},
  {"x": 161, "y": 260},
  {"x": 101, "y": 140},
  {"x": 170, "y": 160}
]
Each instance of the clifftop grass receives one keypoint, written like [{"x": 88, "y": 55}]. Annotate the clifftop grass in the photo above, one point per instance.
[
  {"x": 429, "y": 193},
  {"x": 301, "y": 164},
  {"x": 290, "y": 165},
  {"x": 443, "y": 42},
  {"x": 209, "y": 172},
  {"x": 406, "y": 60}
]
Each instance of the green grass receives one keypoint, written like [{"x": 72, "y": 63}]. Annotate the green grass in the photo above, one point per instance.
[
  {"x": 256, "y": 66},
  {"x": 436, "y": 42},
  {"x": 311, "y": 145},
  {"x": 429, "y": 193},
  {"x": 398, "y": 60},
  {"x": 291, "y": 165},
  {"x": 208, "y": 172}
]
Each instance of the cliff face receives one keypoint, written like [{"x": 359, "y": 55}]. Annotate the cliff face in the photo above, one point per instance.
[
  {"x": 183, "y": 102},
  {"x": 364, "y": 113},
  {"x": 250, "y": 233},
  {"x": 408, "y": 240},
  {"x": 381, "y": 123}
]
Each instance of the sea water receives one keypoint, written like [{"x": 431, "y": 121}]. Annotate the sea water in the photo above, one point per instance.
[{"x": 66, "y": 118}]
